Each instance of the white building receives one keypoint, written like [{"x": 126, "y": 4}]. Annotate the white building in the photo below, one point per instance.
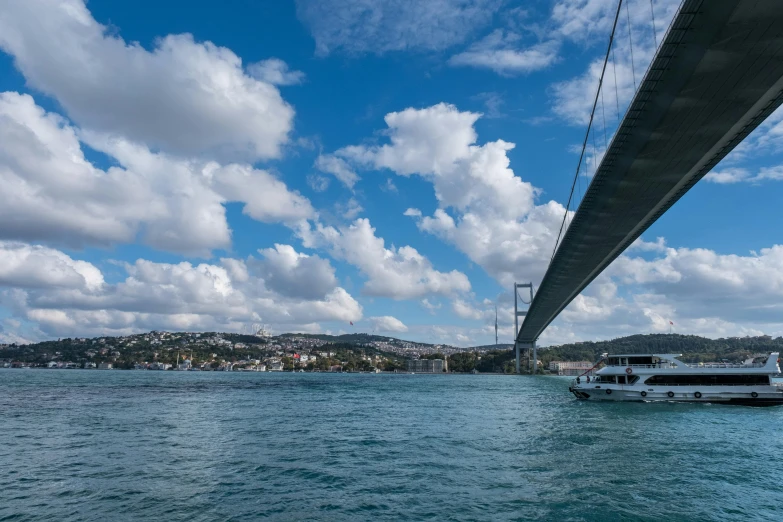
[{"x": 570, "y": 367}]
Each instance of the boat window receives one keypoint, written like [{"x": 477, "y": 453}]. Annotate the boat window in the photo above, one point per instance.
[
  {"x": 640, "y": 360},
  {"x": 632, "y": 379},
  {"x": 605, "y": 379},
  {"x": 708, "y": 380},
  {"x": 621, "y": 379},
  {"x": 613, "y": 361}
]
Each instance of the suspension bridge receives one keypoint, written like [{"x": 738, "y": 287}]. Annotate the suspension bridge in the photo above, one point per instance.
[{"x": 715, "y": 76}]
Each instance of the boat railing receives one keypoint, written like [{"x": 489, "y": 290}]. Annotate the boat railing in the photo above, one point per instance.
[
  {"x": 704, "y": 365},
  {"x": 726, "y": 365},
  {"x": 650, "y": 366}
]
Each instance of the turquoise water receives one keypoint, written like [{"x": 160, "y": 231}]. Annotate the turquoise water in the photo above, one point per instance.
[{"x": 122, "y": 445}]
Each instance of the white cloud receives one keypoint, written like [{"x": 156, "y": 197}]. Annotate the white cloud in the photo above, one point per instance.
[
  {"x": 700, "y": 291},
  {"x": 485, "y": 210},
  {"x": 184, "y": 97},
  {"x": 389, "y": 186},
  {"x": 771, "y": 173},
  {"x": 397, "y": 273},
  {"x": 338, "y": 168},
  {"x": 67, "y": 297},
  {"x": 465, "y": 310},
  {"x": 659, "y": 245},
  {"x": 295, "y": 274},
  {"x": 738, "y": 175},
  {"x": 276, "y": 72},
  {"x": 52, "y": 193},
  {"x": 493, "y": 102},
  {"x": 500, "y": 51},
  {"x": 349, "y": 210},
  {"x": 360, "y": 26},
  {"x": 730, "y": 175},
  {"x": 318, "y": 183},
  {"x": 387, "y": 323},
  {"x": 32, "y": 266},
  {"x": 431, "y": 307}
]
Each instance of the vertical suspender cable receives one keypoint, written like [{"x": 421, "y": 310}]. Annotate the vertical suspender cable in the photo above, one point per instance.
[
  {"x": 589, "y": 125},
  {"x": 655, "y": 35},
  {"x": 603, "y": 112},
  {"x": 630, "y": 41},
  {"x": 616, "y": 93}
]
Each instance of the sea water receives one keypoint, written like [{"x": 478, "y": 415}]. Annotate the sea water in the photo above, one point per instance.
[{"x": 144, "y": 445}]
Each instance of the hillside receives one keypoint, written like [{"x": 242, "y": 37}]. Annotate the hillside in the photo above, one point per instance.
[{"x": 692, "y": 347}]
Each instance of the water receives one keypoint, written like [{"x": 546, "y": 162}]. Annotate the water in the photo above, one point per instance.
[{"x": 119, "y": 445}]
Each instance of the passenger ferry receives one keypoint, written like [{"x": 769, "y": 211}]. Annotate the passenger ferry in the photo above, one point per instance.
[{"x": 662, "y": 377}]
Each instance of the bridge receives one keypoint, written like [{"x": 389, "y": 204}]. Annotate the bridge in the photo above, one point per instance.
[{"x": 715, "y": 77}]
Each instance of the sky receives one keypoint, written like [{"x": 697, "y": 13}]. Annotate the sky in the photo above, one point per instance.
[{"x": 345, "y": 166}]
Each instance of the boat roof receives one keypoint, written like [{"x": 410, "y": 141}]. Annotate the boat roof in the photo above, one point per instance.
[{"x": 661, "y": 355}]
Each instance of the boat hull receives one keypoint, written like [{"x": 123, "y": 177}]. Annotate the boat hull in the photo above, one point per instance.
[{"x": 747, "y": 396}]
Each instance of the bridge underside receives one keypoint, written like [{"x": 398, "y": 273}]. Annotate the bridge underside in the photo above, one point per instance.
[{"x": 717, "y": 75}]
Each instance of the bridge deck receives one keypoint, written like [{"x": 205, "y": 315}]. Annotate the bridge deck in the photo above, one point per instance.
[{"x": 717, "y": 75}]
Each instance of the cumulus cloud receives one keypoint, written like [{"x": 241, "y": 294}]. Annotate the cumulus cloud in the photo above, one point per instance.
[
  {"x": 51, "y": 192},
  {"x": 370, "y": 26},
  {"x": 185, "y": 97},
  {"x": 389, "y": 186},
  {"x": 430, "y": 307},
  {"x": 64, "y": 296},
  {"x": 276, "y": 72},
  {"x": 33, "y": 266},
  {"x": 737, "y": 175},
  {"x": 730, "y": 175},
  {"x": 349, "y": 210},
  {"x": 700, "y": 291},
  {"x": 397, "y": 273},
  {"x": 485, "y": 210},
  {"x": 465, "y": 310},
  {"x": 294, "y": 274},
  {"x": 501, "y": 52},
  {"x": 387, "y": 323},
  {"x": 318, "y": 183},
  {"x": 659, "y": 245},
  {"x": 338, "y": 168}
]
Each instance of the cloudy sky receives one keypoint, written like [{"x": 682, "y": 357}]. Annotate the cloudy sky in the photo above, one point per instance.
[{"x": 308, "y": 164}]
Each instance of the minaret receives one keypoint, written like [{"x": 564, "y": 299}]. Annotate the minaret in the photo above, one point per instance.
[{"x": 496, "y": 326}]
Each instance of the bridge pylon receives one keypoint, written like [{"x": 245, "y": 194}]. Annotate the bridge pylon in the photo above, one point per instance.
[{"x": 522, "y": 313}]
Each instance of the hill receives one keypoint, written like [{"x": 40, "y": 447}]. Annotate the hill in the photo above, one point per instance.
[{"x": 692, "y": 347}]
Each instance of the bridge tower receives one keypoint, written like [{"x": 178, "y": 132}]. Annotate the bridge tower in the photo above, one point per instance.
[{"x": 517, "y": 315}]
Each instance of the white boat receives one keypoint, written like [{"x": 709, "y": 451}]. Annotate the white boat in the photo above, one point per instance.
[{"x": 662, "y": 377}]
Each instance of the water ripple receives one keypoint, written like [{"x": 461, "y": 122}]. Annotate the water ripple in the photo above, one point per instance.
[{"x": 89, "y": 445}]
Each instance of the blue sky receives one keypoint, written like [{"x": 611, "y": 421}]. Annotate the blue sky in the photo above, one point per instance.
[{"x": 308, "y": 165}]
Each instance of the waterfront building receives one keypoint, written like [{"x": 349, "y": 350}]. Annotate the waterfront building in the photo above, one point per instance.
[
  {"x": 571, "y": 368},
  {"x": 105, "y": 366},
  {"x": 425, "y": 365}
]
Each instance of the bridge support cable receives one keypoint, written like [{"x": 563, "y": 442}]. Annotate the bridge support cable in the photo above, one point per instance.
[
  {"x": 630, "y": 43},
  {"x": 652, "y": 15},
  {"x": 589, "y": 126},
  {"x": 715, "y": 77}
]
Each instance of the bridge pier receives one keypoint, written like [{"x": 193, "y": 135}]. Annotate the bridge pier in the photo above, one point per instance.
[{"x": 522, "y": 313}]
